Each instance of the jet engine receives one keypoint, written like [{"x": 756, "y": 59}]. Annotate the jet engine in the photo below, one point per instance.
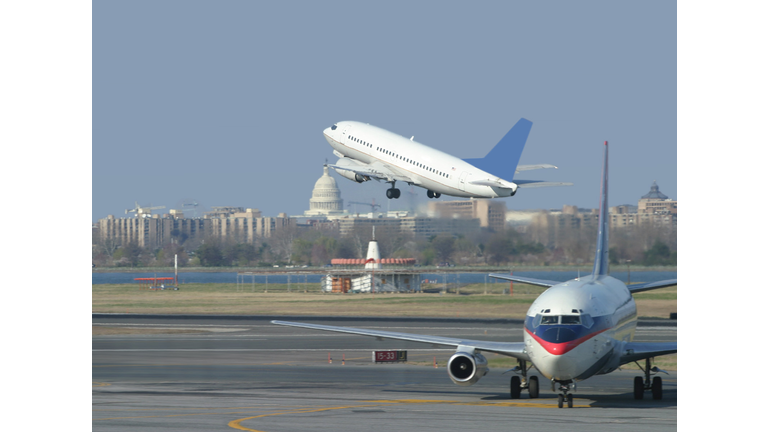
[
  {"x": 346, "y": 162},
  {"x": 466, "y": 369}
]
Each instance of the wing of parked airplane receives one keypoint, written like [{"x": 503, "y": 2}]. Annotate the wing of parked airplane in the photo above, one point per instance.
[
  {"x": 530, "y": 281},
  {"x": 634, "y": 351},
  {"x": 512, "y": 349},
  {"x": 636, "y": 288}
]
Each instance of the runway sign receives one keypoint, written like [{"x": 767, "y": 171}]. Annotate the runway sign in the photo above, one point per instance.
[{"x": 390, "y": 356}]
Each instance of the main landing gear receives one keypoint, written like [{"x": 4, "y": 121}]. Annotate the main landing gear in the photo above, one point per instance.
[
  {"x": 516, "y": 384},
  {"x": 643, "y": 385},
  {"x": 433, "y": 194},
  {"x": 393, "y": 192}
]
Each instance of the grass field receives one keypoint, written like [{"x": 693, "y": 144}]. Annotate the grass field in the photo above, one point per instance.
[{"x": 473, "y": 301}]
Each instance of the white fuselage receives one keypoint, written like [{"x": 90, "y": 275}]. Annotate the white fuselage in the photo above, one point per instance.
[
  {"x": 428, "y": 167},
  {"x": 564, "y": 351}
]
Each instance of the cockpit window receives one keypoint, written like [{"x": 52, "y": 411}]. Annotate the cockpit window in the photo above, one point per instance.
[
  {"x": 548, "y": 319},
  {"x": 333, "y": 127},
  {"x": 570, "y": 319}
]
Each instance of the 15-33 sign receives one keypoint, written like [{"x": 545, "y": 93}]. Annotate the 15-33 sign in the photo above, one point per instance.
[{"x": 390, "y": 356}]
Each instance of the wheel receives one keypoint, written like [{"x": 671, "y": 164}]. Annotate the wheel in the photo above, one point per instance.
[
  {"x": 437, "y": 194},
  {"x": 390, "y": 194},
  {"x": 514, "y": 387},
  {"x": 396, "y": 193},
  {"x": 533, "y": 387},
  {"x": 639, "y": 387},
  {"x": 560, "y": 401},
  {"x": 656, "y": 388},
  {"x": 430, "y": 194},
  {"x": 570, "y": 401}
]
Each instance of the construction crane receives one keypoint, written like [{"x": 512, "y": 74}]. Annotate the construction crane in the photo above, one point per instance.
[
  {"x": 373, "y": 204},
  {"x": 139, "y": 210}
]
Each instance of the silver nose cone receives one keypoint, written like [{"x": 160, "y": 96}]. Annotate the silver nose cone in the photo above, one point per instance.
[{"x": 559, "y": 367}]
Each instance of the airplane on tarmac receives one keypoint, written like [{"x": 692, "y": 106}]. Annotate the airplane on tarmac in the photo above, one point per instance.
[
  {"x": 573, "y": 330},
  {"x": 370, "y": 153}
]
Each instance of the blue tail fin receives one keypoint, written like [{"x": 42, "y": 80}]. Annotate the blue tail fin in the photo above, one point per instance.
[
  {"x": 601, "y": 253},
  {"x": 502, "y": 160}
]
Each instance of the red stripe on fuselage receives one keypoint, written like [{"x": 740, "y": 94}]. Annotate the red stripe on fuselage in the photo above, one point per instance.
[{"x": 562, "y": 348}]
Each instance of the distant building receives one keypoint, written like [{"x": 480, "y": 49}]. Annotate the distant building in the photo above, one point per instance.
[
  {"x": 154, "y": 231},
  {"x": 492, "y": 214},
  {"x": 653, "y": 209},
  {"x": 326, "y": 198},
  {"x": 655, "y": 202},
  {"x": 416, "y": 225}
]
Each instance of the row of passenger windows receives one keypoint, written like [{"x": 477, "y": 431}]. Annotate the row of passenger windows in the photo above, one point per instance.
[{"x": 410, "y": 161}]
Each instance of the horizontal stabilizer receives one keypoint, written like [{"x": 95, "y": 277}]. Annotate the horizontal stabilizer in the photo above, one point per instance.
[
  {"x": 636, "y": 288},
  {"x": 530, "y": 281},
  {"x": 539, "y": 183},
  {"x": 533, "y": 167}
]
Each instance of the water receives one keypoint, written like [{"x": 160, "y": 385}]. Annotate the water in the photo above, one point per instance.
[{"x": 453, "y": 278}]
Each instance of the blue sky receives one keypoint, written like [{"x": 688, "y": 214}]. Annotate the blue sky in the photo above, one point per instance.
[{"x": 224, "y": 103}]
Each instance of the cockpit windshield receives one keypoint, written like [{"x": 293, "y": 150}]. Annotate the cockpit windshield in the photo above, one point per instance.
[
  {"x": 549, "y": 319},
  {"x": 570, "y": 319},
  {"x": 583, "y": 319},
  {"x": 333, "y": 127}
]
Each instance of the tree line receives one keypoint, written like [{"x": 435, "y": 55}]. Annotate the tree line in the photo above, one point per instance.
[{"x": 642, "y": 245}]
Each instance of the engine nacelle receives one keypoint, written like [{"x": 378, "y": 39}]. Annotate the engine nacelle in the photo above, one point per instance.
[
  {"x": 346, "y": 162},
  {"x": 466, "y": 369}
]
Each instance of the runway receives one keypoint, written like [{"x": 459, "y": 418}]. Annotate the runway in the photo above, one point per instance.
[{"x": 246, "y": 374}]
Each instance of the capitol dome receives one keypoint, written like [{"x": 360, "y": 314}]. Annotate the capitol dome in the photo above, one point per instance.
[{"x": 326, "y": 197}]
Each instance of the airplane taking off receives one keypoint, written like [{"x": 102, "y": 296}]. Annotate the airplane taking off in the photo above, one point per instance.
[
  {"x": 370, "y": 153},
  {"x": 573, "y": 330}
]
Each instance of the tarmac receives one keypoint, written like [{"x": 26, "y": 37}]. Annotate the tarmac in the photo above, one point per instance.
[{"x": 243, "y": 373}]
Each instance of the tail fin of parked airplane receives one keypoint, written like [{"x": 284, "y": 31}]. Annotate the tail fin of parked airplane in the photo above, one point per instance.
[
  {"x": 502, "y": 160},
  {"x": 601, "y": 252}
]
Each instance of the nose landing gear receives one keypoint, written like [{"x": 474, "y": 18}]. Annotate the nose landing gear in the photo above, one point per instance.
[
  {"x": 643, "y": 385},
  {"x": 566, "y": 396},
  {"x": 433, "y": 194}
]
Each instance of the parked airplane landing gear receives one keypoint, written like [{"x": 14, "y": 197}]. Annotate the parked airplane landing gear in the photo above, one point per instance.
[
  {"x": 566, "y": 396},
  {"x": 643, "y": 385},
  {"x": 517, "y": 384}
]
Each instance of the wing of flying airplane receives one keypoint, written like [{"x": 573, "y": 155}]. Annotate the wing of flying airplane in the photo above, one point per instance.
[{"x": 512, "y": 349}]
